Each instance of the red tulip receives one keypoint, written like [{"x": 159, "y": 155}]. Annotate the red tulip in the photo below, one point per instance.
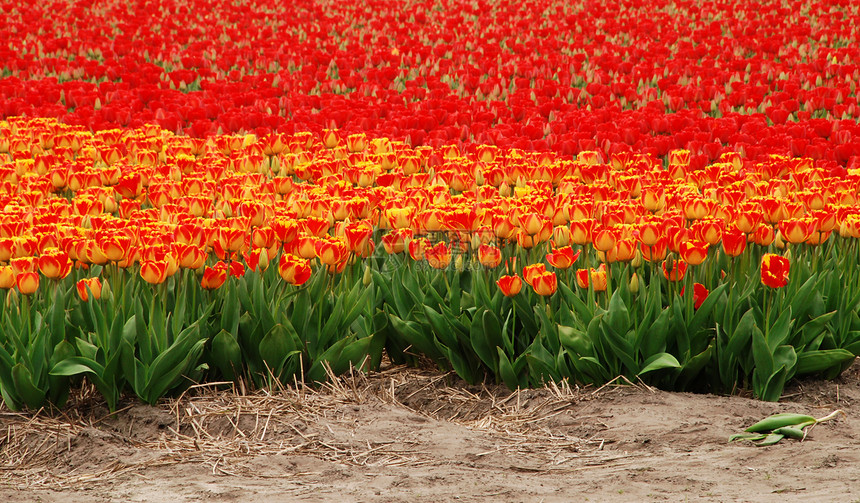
[{"x": 774, "y": 270}]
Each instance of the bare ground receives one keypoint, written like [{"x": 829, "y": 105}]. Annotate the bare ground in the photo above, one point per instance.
[{"x": 409, "y": 435}]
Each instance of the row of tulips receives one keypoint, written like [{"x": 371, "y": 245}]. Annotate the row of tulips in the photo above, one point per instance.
[
  {"x": 709, "y": 77},
  {"x": 277, "y": 257}
]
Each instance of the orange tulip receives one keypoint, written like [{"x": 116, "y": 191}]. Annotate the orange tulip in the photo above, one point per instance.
[
  {"x": 358, "y": 236},
  {"x": 305, "y": 246},
  {"x": 709, "y": 230},
  {"x": 545, "y": 283},
  {"x": 55, "y": 264},
  {"x": 694, "y": 252},
  {"x": 263, "y": 237},
  {"x": 438, "y": 256},
  {"x": 649, "y": 233},
  {"x": 294, "y": 270},
  {"x": 27, "y": 282},
  {"x": 417, "y": 248},
  {"x": 190, "y": 256},
  {"x": 764, "y": 235},
  {"x": 115, "y": 247},
  {"x": 562, "y": 258},
  {"x": 531, "y": 271},
  {"x": 396, "y": 241},
  {"x": 656, "y": 252},
  {"x": 604, "y": 240},
  {"x": 7, "y": 277},
  {"x": 489, "y": 256},
  {"x": 95, "y": 286},
  {"x": 796, "y": 230},
  {"x": 510, "y": 285},
  {"x": 331, "y": 251},
  {"x": 596, "y": 278},
  {"x": 533, "y": 223},
  {"x": 214, "y": 277},
  {"x": 748, "y": 221},
  {"x": 526, "y": 240},
  {"x": 583, "y": 278},
  {"x": 231, "y": 239},
  {"x": 599, "y": 279},
  {"x": 623, "y": 251},
  {"x": 582, "y": 230},
  {"x": 154, "y": 271}
]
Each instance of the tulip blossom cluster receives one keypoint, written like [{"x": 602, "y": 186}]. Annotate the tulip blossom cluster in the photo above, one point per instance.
[
  {"x": 158, "y": 202},
  {"x": 545, "y": 75}
]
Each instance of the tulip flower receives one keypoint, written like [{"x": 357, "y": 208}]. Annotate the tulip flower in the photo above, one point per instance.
[
  {"x": 154, "y": 271},
  {"x": 396, "y": 241},
  {"x": 438, "y": 256},
  {"x": 734, "y": 242},
  {"x": 489, "y": 256},
  {"x": 214, "y": 277},
  {"x": 604, "y": 240},
  {"x": 796, "y": 230},
  {"x": 510, "y": 285},
  {"x": 294, "y": 270},
  {"x": 94, "y": 285},
  {"x": 27, "y": 282},
  {"x": 331, "y": 251},
  {"x": 562, "y": 258},
  {"x": 7, "y": 277},
  {"x": 531, "y": 271},
  {"x": 675, "y": 270},
  {"x": 596, "y": 278},
  {"x": 774, "y": 270},
  {"x": 55, "y": 265},
  {"x": 545, "y": 283},
  {"x": 694, "y": 252}
]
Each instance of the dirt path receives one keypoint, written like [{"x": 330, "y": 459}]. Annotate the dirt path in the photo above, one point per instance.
[{"x": 409, "y": 436}]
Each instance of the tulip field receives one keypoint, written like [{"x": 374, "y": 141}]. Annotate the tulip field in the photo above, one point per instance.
[{"x": 518, "y": 192}]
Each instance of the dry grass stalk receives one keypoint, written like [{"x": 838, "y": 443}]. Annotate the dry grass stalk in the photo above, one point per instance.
[{"x": 223, "y": 428}]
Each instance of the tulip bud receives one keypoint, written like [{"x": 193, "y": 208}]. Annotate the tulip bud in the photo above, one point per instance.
[
  {"x": 633, "y": 286},
  {"x": 637, "y": 258},
  {"x": 458, "y": 263},
  {"x": 367, "y": 279},
  {"x": 107, "y": 293},
  {"x": 778, "y": 241},
  {"x": 12, "y": 299}
]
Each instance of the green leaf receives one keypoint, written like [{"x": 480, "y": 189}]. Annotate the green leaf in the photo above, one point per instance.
[
  {"x": 276, "y": 347},
  {"x": 659, "y": 361},
  {"x": 227, "y": 355},
  {"x": 511, "y": 372},
  {"x": 77, "y": 365},
  {"x": 575, "y": 341},
  {"x": 30, "y": 394},
  {"x": 812, "y": 362},
  {"x": 618, "y": 318},
  {"x": 780, "y": 331}
]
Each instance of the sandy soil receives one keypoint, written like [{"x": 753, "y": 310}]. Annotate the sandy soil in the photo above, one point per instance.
[{"x": 416, "y": 436}]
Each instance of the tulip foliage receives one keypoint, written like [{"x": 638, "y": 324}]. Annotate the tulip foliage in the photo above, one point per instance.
[{"x": 518, "y": 192}]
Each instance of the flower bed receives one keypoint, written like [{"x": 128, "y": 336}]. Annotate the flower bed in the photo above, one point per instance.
[{"x": 519, "y": 193}]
